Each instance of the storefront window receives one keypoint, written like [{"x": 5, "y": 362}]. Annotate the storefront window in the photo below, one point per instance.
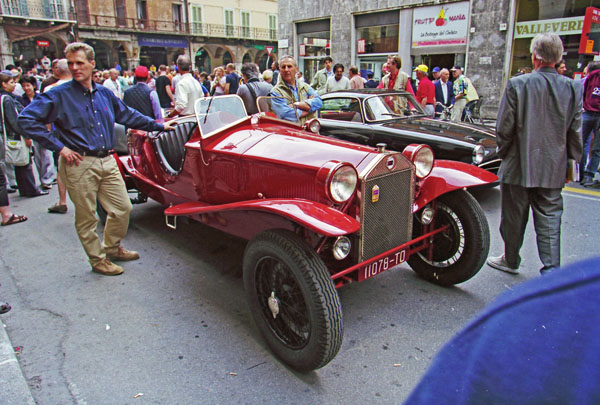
[
  {"x": 313, "y": 46},
  {"x": 564, "y": 18},
  {"x": 381, "y": 39},
  {"x": 377, "y": 37}
]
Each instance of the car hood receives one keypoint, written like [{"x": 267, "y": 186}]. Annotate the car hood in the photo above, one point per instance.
[
  {"x": 301, "y": 148},
  {"x": 445, "y": 129}
]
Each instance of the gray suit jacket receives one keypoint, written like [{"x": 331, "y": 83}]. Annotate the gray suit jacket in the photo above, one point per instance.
[{"x": 538, "y": 128}]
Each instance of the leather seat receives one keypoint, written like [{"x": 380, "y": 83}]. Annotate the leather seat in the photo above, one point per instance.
[{"x": 170, "y": 146}]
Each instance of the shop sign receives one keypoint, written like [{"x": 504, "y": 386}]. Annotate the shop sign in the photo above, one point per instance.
[
  {"x": 162, "y": 42},
  {"x": 302, "y": 50},
  {"x": 559, "y": 26},
  {"x": 361, "y": 46},
  {"x": 590, "y": 33},
  {"x": 440, "y": 25},
  {"x": 43, "y": 44}
]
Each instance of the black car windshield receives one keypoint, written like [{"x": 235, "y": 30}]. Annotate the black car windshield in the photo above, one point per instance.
[
  {"x": 215, "y": 113},
  {"x": 392, "y": 106}
]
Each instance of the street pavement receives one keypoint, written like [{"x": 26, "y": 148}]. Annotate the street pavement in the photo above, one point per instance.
[{"x": 175, "y": 327}]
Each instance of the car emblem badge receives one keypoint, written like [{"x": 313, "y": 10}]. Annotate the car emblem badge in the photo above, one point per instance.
[
  {"x": 375, "y": 193},
  {"x": 391, "y": 163}
]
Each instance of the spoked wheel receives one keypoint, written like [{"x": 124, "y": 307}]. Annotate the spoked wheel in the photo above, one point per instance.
[
  {"x": 460, "y": 251},
  {"x": 293, "y": 300}
]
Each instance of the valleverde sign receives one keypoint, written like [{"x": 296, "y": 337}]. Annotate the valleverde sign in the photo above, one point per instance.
[{"x": 560, "y": 26}]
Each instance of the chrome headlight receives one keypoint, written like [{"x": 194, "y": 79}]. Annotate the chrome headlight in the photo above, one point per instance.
[
  {"x": 422, "y": 157},
  {"x": 478, "y": 154},
  {"x": 341, "y": 247},
  {"x": 342, "y": 183},
  {"x": 313, "y": 126}
]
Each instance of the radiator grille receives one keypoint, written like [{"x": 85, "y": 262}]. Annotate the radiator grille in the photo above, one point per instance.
[{"x": 386, "y": 223}]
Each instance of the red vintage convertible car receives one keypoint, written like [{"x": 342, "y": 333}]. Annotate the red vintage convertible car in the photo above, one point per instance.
[{"x": 318, "y": 212}]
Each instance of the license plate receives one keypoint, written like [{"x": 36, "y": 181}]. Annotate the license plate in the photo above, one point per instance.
[{"x": 381, "y": 265}]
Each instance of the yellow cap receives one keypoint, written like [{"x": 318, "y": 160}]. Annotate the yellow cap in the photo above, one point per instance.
[{"x": 422, "y": 68}]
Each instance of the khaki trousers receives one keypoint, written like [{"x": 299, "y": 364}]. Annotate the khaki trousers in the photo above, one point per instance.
[
  {"x": 459, "y": 106},
  {"x": 97, "y": 179}
]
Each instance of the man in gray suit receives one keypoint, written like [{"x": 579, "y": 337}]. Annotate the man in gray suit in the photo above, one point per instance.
[{"x": 537, "y": 131}]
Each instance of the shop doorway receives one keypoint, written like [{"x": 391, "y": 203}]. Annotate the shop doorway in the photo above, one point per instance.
[
  {"x": 150, "y": 55},
  {"x": 447, "y": 60}
]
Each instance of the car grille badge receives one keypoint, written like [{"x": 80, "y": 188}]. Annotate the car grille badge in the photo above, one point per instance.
[
  {"x": 375, "y": 193},
  {"x": 391, "y": 163}
]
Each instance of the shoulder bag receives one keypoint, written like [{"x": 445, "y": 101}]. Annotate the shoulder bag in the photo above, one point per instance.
[{"x": 17, "y": 152}]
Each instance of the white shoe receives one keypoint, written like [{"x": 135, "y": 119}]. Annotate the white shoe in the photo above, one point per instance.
[{"x": 499, "y": 263}]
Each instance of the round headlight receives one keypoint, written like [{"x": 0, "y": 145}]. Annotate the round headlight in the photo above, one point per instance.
[
  {"x": 342, "y": 183},
  {"x": 423, "y": 161},
  {"x": 341, "y": 247},
  {"x": 478, "y": 154},
  {"x": 313, "y": 126}
]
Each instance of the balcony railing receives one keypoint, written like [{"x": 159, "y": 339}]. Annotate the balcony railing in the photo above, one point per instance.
[
  {"x": 44, "y": 10},
  {"x": 199, "y": 29}
]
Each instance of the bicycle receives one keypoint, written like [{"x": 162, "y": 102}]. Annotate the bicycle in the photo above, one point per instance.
[
  {"x": 446, "y": 112},
  {"x": 472, "y": 112}
]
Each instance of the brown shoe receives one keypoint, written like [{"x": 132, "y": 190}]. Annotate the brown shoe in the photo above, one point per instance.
[
  {"x": 107, "y": 268},
  {"x": 122, "y": 254},
  {"x": 58, "y": 208}
]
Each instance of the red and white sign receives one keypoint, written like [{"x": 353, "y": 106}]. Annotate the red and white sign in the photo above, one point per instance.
[
  {"x": 360, "y": 47},
  {"x": 590, "y": 34},
  {"x": 43, "y": 44},
  {"x": 441, "y": 25},
  {"x": 302, "y": 50},
  {"x": 269, "y": 50}
]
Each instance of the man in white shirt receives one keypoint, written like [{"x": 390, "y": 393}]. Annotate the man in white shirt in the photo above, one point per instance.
[
  {"x": 444, "y": 92},
  {"x": 188, "y": 89},
  {"x": 112, "y": 83},
  {"x": 338, "y": 81}
]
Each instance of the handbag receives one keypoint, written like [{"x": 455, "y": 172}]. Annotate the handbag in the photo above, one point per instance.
[{"x": 17, "y": 151}]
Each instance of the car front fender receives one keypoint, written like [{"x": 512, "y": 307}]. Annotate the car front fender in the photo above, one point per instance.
[
  {"x": 448, "y": 176},
  {"x": 317, "y": 217}
]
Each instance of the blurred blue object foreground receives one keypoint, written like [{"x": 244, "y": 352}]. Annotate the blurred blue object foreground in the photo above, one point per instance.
[{"x": 536, "y": 344}]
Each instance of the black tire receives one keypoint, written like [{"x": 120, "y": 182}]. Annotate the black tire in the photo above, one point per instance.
[
  {"x": 307, "y": 332},
  {"x": 460, "y": 251}
]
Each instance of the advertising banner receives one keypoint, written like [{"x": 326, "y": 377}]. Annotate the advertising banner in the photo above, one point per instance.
[
  {"x": 590, "y": 32},
  {"x": 442, "y": 25}
]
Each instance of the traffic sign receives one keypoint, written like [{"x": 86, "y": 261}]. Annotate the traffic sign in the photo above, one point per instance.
[{"x": 269, "y": 50}]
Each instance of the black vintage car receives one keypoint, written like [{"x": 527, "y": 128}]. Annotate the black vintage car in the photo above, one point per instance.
[{"x": 372, "y": 116}]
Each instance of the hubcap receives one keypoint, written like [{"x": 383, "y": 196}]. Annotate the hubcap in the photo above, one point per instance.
[
  {"x": 448, "y": 246},
  {"x": 282, "y": 302}
]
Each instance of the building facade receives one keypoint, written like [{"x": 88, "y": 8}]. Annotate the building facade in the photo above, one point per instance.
[
  {"x": 489, "y": 38},
  {"x": 33, "y": 29},
  {"x": 148, "y": 32}
]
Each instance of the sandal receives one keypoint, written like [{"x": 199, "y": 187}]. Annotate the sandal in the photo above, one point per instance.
[{"x": 15, "y": 219}]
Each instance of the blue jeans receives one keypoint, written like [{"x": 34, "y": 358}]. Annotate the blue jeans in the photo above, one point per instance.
[{"x": 589, "y": 128}]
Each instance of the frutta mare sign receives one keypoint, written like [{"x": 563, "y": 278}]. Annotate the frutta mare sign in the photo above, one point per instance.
[{"x": 440, "y": 25}]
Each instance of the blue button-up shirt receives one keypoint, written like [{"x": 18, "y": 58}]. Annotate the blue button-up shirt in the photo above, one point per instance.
[
  {"x": 284, "y": 111},
  {"x": 83, "y": 120}
]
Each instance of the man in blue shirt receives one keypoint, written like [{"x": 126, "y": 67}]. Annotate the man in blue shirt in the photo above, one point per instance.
[
  {"x": 293, "y": 100},
  {"x": 84, "y": 115}
]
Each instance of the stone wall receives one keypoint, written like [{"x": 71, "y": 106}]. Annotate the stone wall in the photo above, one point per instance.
[{"x": 486, "y": 52}]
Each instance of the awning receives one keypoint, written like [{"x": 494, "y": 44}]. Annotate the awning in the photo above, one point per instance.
[{"x": 21, "y": 32}]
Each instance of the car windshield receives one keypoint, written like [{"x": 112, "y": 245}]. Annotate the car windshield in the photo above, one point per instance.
[
  {"x": 392, "y": 106},
  {"x": 215, "y": 113},
  {"x": 341, "y": 109}
]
